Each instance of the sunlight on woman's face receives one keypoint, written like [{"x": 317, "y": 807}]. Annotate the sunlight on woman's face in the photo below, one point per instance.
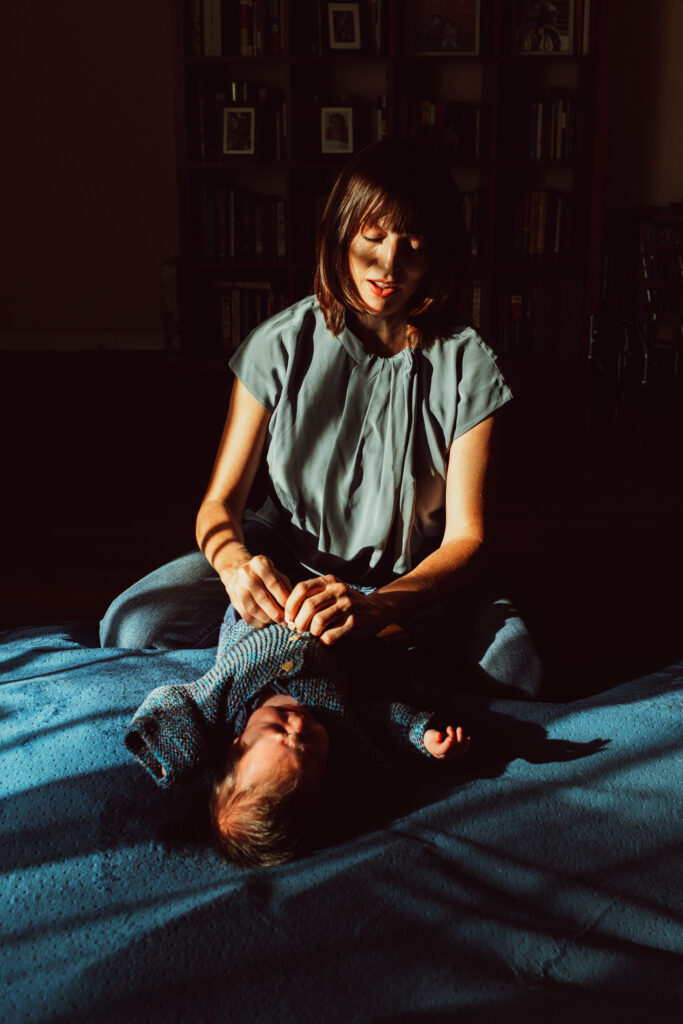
[{"x": 387, "y": 268}]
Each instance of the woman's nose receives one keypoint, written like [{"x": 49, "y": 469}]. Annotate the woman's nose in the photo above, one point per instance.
[{"x": 389, "y": 255}]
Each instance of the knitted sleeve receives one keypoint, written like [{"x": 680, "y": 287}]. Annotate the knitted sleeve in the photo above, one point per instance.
[{"x": 397, "y": 726}]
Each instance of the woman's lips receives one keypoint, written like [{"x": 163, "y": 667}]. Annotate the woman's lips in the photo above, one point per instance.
[{"x": 382, "y": 288}]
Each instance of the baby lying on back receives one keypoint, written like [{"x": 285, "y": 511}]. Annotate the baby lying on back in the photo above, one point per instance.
[{"x": 265, "y": 718}]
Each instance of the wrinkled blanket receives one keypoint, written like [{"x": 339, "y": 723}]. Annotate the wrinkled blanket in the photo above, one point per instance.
[{"x": 539, "y": 881}]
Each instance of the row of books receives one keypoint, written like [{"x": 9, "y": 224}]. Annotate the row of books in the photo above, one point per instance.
[
  {"x": 542, "y": 223},
  {"x": 235, "y": 308},
  {"x": 234, "y": 223},
  {"x": 542, "y": 129},
  {"x": 235, "y": 28},
  {"x": 455, "y": 126},
  {"x": 238, "y": 119}
]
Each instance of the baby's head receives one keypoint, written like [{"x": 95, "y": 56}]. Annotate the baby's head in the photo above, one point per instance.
[{"x": 269, "y": 783}]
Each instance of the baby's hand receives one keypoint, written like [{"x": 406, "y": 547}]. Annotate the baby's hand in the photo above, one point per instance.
[{"x": 452, "y": 743}]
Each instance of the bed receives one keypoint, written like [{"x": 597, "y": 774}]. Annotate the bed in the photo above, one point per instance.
[{"x": 539, "y": 880}]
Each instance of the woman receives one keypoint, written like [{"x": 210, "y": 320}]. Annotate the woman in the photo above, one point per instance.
[{"x": 376, "y": 415}]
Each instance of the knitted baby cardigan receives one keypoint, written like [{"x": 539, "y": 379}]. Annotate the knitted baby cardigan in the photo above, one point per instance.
[{"x": 182, "y": 728}]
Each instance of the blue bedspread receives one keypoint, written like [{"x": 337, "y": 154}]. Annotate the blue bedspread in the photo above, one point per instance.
[{"x": 540, "y": 881}]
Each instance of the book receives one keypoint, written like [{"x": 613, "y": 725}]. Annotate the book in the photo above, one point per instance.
[
  {"x": 476, "y": 304},
  {"x": 517, "y": 327},
  {"x": 246, "y": 28},
  {"x": 195, "y": 46},
  {"x": 470, "y": 209},
  {"x": 211, "y": 28},
  {"x": 586, "y": 28},
  {"x": 274, "y": 28}
]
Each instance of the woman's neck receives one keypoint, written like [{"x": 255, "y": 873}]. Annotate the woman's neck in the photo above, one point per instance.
[{"x": 383, "y": 336}]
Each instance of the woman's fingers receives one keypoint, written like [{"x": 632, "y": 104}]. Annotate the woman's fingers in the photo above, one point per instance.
[
  {"x": 330, "y": 609},
  {"x": 310, "y": 598},
  {"x": 258, "y": 591},
  {"x": 300, "y": 593},
  {"x": 334, "y": 633}
]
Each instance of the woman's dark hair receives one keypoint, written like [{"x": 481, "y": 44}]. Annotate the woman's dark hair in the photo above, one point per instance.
[{"x": 407, "y": 186}]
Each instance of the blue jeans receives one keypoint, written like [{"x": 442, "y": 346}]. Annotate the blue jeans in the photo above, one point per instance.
[{"x": 477, "y": 637}]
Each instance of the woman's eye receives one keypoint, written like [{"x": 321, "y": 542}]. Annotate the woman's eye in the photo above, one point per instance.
[{"x": 372, "y": 238}]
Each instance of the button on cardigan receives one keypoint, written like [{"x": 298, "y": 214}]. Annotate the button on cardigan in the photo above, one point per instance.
[{"x": 358, "y": 443}]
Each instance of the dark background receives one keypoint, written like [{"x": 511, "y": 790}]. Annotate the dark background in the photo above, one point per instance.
[{"x": 108, "y": 441}]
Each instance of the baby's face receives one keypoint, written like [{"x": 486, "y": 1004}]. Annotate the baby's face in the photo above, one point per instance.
[{"x": 281, "y": 739}]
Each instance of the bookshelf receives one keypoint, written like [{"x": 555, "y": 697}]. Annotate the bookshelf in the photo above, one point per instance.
[{"x": 274, "y": 95}]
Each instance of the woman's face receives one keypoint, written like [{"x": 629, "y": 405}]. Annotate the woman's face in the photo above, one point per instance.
[{"x": 387, "y": 268}]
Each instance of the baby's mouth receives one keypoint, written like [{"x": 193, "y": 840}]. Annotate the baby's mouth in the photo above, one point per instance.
[{"x": 382, "y": 288}]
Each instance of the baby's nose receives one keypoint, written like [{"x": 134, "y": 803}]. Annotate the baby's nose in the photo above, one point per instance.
[{"x": 295, "y": 723}]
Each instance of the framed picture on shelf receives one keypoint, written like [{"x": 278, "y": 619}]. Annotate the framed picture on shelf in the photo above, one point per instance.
[
  {"x": 440, "y": 27},
  {"x": 238, "y": 136},
  {"x": 543, "y": 27},
  {"x": 342, "y": 27},
  {"x": 336, "y": 130}
]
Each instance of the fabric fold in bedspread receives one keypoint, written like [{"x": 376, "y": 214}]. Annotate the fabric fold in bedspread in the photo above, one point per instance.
[{"x": 538, "y": 881}]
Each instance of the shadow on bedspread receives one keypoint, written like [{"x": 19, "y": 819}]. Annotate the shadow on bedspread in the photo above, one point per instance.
[{"x": 537, "y": 880}]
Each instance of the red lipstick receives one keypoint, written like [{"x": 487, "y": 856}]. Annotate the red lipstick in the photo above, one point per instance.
[{"x": 382, "y": 288}]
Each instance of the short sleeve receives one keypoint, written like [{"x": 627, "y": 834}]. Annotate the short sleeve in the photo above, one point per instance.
[
  {"x": 481, "y": 388},
  {"x": 260, "y": 363}
]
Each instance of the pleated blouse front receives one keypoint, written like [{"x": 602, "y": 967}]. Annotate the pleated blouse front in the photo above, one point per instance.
[{"x": 358, "y": 443}]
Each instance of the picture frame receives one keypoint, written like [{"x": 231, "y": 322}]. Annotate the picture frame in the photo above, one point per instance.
[
  {"x": 238, "y": 131},
  {"x": 543, "y": 28},
  {"x": 342, "y": 27},
  {"x": 439, "y": 27},
  {"x": 337, "y": 130}
]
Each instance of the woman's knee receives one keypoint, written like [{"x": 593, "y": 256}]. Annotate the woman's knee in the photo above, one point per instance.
[{"x": 178, "y": 605}]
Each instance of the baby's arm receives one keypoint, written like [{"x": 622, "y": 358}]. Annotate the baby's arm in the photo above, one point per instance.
[
  {"x": 406, "y": 730},
  {"x": 452, "y": 743}
]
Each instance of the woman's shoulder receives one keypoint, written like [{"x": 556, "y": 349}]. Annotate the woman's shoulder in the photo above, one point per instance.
[
  {"x": 464, "y": 341},
  {"x": 465, "y": 383},
  {"x": 463, "y": 354},
  {"x": 274, "y": 349}
]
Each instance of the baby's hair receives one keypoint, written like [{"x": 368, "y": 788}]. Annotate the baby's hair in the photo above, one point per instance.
[{"x": 257, "y": 825}]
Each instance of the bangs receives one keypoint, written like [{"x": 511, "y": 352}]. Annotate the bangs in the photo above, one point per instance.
[{"x": 402, "y": 214}]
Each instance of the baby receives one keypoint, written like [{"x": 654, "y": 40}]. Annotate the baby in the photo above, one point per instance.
[{"x": 266, "y": 717}]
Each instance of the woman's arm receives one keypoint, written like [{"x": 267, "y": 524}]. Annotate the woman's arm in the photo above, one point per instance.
[
  {"x": 331, "y": 609},
  {"x": 461, "y": 554},
  {"x": 253, "y": 584}
]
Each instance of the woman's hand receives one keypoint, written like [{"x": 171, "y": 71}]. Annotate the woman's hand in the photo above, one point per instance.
[
  {"x": 257, "y": 590},
  {"x": 330, "y": 609},
  {"x": 452, "y": 743}
]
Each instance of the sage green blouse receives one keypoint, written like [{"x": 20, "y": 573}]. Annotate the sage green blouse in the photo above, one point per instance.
[{"x": 358, "y": 444}]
